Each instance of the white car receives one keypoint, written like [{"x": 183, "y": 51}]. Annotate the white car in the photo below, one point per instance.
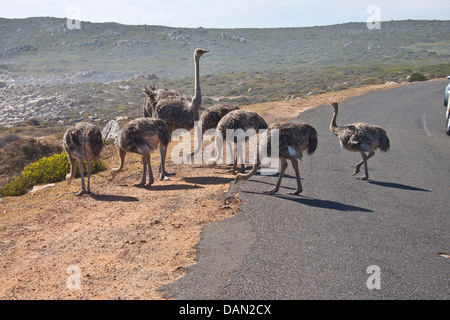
[{"x": 446, "y": 104}]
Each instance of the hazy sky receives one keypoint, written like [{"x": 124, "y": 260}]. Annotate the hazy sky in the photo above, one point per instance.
[{"x": 229, "y": 13}]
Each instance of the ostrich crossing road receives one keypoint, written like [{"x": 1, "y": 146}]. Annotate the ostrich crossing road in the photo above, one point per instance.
[
  {"x": 360, "y": 137},
  {"x": 294, "y": 138},
  {"x": 234, "y": 120}
]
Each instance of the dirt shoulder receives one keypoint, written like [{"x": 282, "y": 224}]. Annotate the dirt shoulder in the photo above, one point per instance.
[{"x": 124, "y": 241}]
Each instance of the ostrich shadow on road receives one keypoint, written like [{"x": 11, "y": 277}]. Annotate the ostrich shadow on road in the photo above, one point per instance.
[
  {"x": 317, "y": 203},
  {"x": 396, "y": 186}
]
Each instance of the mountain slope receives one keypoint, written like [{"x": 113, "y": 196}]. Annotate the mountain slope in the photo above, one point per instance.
[{"x": 46, "y": 47}]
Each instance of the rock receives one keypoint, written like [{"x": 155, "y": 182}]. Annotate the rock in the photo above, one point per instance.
[
  {"x": 36, "y": 188},
  {"x": 111, "y": 131},
  {"x": 179, "y": 35}
]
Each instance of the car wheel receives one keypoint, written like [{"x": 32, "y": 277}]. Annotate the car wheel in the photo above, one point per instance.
[{"x": 448, "y": 123}]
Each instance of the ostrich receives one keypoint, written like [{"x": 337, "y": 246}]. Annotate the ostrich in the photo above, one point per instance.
[
  {"x": 142, "y": 136},
  {"x": 234, "y": 120},
  {"x": 294, "y": 138},
  {"x": 173, "y": 107},
  {"x": 82, "y": 142},
  {"x": 360, "y": 137},
  {"x": 210, "y": 118}
]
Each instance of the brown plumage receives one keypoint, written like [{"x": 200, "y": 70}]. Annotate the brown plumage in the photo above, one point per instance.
[
  {"x": 142, "y": 136},
  {"x": 294, "y": 138},
  {"x": 360, "y": 137},
  {"x": 210, "y": 117},
  {"x": 82, "y": 142},
  {"x": 173, "y": 107},
  {"x": 234, "y": 120}
]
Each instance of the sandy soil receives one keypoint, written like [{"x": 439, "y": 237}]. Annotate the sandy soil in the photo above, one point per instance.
[{"x": 121, "y": 242}]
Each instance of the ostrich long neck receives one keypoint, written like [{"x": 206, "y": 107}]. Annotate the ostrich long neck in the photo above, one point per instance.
[
  {"x": 197, "y": 99},
  {"x": 333, "y": 126}
]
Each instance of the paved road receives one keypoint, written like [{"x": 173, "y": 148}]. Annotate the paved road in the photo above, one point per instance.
[{"x": 319, "y": 245}]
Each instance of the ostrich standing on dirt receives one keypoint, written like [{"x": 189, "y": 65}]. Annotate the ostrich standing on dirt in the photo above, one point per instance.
[
  {"x": 142, "y": 136},
  {"x": 360, "y": 137},
  {"x": 173, "y": 107},
  {"x": 294, "y": 138},
  {"x": 82, "y": 142},
  {"x": 210, "y": 118},
  {"x": 234, "y": 120}
]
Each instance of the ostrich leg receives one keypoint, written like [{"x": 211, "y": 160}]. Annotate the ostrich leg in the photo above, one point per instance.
[
  {"x": 89, "y": 170},
  {"x": 364, "y": 161},
  {"x": 144, "y": 174},
  {"x": 163, "y": 153},
  {"x": 71, "y": 174},
  {"x": 83, "y": 186},
  {"x": 150, "y": 172},
  {"x": 297, "y": 175},
  {"x": 277, "y": 186},
  {"x": 165, "y": 173}
]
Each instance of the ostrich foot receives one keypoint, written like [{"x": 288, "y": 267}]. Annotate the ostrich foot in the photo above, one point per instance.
[
  {"x": 356, "y": 171},
  {"x": 147, "y": 186},
  {"x": 362, "y": 178},
  {"x": 139, "y": 185},
  {"x": 296, "y": 193},
  {"x": 272, "y": 191},
  {"x": 82, "y": 192}
]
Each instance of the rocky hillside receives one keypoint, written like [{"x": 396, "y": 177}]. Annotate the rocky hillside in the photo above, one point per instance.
[
  {"x": 45, "y": 50},
  {"x": 57, "y": 74}
]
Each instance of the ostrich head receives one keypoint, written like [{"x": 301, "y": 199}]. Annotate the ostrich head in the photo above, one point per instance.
[
  {"x": 199, "y": 52},
  {"x": 334, "y": 105}
]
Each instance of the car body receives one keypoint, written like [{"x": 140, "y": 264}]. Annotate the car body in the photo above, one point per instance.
[{"x": 446, "y": 104}]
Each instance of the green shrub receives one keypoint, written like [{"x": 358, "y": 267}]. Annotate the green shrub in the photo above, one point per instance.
[
  {"x": 417, "y": 76},
  {"x": 46, "y": 170}
]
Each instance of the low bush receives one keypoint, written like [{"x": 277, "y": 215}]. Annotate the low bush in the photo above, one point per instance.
[
  {"x": 46, "y": 170},
  {"x": 417, "y": 76}
]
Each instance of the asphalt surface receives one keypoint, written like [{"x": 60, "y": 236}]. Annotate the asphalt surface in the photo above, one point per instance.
[{"x": 319, "y": 245}]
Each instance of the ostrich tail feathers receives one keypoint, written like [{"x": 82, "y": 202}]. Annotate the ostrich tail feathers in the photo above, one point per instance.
[
  {"x": 312, "y": 143},
  {"x": 150, "y": 90},
  {"x": 385, "y": 143}
]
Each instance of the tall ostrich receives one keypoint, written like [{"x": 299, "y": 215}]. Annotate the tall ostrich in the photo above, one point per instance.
[
  {"x": 360, "y": 137},
  {"x": 234, "y": 120},
  {"x": 173, "y": 107},
  {"x": 294, "y": 138},
  {"x": 82, "y": 142},
  {"x": 142, "y": 136}
]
